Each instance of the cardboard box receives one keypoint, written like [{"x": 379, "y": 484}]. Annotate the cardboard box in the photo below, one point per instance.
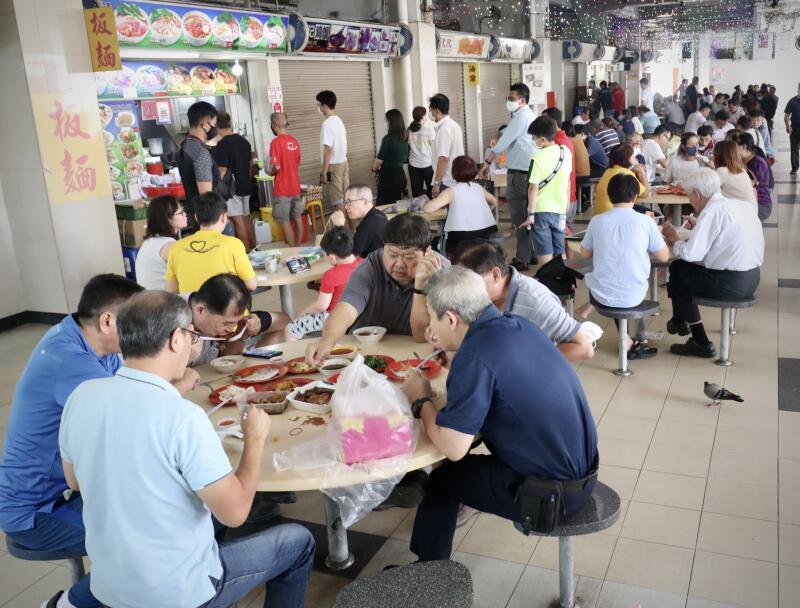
[
  {"x": 131, "y": 232},
  {"x": 135, "y": 210}
]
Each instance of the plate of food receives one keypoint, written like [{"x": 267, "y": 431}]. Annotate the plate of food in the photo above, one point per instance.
[
  {"x": 258, "y": 374},
  {"x": 287, "y": 384},
  {"x": 203, "y": 77},
  {"x": 251, "y": 31},
  {"x": 233, "y": 393},
  {"x": 398, "y": 370},
  {"x": 196, "y": 28},
  {"x": 108, "y": 138},
  {"x": 226, "y": 29},
  {"x": 378, "y": 363},
  {"x": 225, "y": 79},
  {"x": 118, "y": 191},
  {"x": 150, "y": 79},
  {"x": 131, "y": 21},
  {"x": 113, "y": 173},
  {"x": 122, "y": 80},
  {"x": 274, "y": 34},
  {"x": 127, "y": 136},
  {"x": 134, "y": 169},
  {"x": 298, "y": 365},
  {"x": 125, "y": 119},
  {"x": 314, "y": 398},
  {"x": 272, "y": 402},
  {"x": 179, "y": 80},
  {"x": 165, "y": 26}
]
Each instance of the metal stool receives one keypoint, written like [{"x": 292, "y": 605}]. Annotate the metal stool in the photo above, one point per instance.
[
  {"x": 601, "y": 511},
  {"x": 728, "y": 314},
  {"x": 654, "y": 266},
  {"x": 645, "y": 309},
  {"x": 75, "y": 562},
  {"x": 444, "y": 584},
  {"x": 568, "y": 302},
  {"x": 314, "y": 208}
]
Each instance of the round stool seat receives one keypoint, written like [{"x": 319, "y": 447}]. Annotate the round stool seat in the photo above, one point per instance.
[
  {"x": 645, "y": 309},
  {"x": 708, "y": 302},
  {"x": 32, "y": 555}
]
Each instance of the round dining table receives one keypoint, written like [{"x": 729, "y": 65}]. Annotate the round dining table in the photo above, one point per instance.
[
  {"x": 283, "y": 279},
  {"x": 676, "y": 201},
  {"x": 294, "y": 427}
]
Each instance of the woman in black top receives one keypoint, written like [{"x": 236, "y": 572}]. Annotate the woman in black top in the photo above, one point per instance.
[{"x": 391, "y": 158}]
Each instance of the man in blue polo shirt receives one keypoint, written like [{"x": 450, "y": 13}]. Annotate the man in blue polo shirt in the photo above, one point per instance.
[
  {"x": 36, "y": 509},
  {"x": 535, "y": 423}
]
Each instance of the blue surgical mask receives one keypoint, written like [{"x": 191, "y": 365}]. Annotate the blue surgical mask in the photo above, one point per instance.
[{"x": 691, "y": 151}]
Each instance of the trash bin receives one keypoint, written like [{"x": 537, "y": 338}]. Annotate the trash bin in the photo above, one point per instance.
[{"x": 265, "y": 185}]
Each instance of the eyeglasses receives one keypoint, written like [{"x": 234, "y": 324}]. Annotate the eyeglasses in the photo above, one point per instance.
[
  {"x": 196, "y": 335},
  {"x": 352, "y": 201},
  {"x": 181, "y": 212}
]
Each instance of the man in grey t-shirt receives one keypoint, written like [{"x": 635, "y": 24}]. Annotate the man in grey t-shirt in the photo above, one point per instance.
[{"x": 522, "y": 295}]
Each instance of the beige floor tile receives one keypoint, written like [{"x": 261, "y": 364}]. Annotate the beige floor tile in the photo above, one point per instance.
[
  {"x": 43, "y": 589},
  {"x": 622, "y": 453},
  {"x": 630, "y": 406},
  {"x": 789, "y": 446},
  {"x": 621, "y": 479},
  {"x": 678, "y": 460},
  {"x": 17, "y": 575},
  {"x": 742, "y": 417},
  {"x": 670, "y": 490},
  {"x": 403, "y": 531},
  {"x": 382, "y": 523},
  {"x": 310, "y": 506},
  {"x": 694, "y": 413},
  {"x": 684, "y": 434},
  {"x": 592, "y": 554},
  {"x": 493, "y": 580},
  {"x": 789, "y": 423},
  {"x": 789, "y": 586},
  {"x": 321, "y": 590},
  {"x": 742, "y": 499},
  {"x": 759, "y": 470},
  {"x": 626, "y": 427},
  {"x": 660, "y": 524},
  {"x": 495, "y": 537},
  {"x": 789, "y": 544},
  {"x": 755, "y": 442},
  {"x": 789, "y": 506},
  {"x": 789, "y": 474},
  {"x": 651, "y": 565},
  {"x": 617, "y": 527},
  {"x": 736, "y": 580},
  {"x": 740, "y": 536}
]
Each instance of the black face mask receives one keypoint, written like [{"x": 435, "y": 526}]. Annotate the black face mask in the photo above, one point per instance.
[{"x": 211, "y": 133}]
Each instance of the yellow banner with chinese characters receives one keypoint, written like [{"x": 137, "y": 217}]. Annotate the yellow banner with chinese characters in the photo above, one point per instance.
[
  {"x": 472, "y": 74},
  {"x": 71, "y": 146},
  {"x": 101, "y": 29}
]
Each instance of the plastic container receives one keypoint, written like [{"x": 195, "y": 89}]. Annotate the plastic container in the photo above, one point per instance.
[
  {"x": 129, "y": 261},
  {"x": 263, "y": 232}
]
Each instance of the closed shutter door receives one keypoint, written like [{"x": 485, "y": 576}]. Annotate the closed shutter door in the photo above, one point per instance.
[
  {"x": 451, "y": 83},
  {"x": 495, "y": 80},
  {"x": 301, "y": 81},
  {"x": 570, "y": 82}
]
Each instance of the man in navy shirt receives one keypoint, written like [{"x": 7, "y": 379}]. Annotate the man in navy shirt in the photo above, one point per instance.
[{"x": 529, "y": 409}]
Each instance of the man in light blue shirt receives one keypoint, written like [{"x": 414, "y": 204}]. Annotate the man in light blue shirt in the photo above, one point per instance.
[
  {"x": 152, "y": 471},
  {"x": 517, "y": 143},
  {"x": 36, "y": 511},
  {"x": 620, "y": 243}
]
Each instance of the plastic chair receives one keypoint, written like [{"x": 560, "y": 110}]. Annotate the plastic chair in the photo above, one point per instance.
[{"x": 315, "y": 211}]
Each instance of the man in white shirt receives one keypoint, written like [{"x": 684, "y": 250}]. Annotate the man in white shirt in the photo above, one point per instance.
[
  {"x": 149, "y": 493},
  {"x": 674, "y": 113},
  {"x": 721, "y": 259},
  {"x": 697, "y": 119},
  {"x": 449, "y": 142},
  {"x": 721, "y": 126},
  {"x": 735, "y": 110},
  {"x": 653, "y": 151},
  {"x": 582, "y": 118},
  {"x": 333, "y": 149},
  {"x": 646, "y": 94}
]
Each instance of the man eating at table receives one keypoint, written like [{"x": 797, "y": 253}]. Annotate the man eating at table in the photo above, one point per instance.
[
  {"x": 535, "y": 421},
  {"x": 150, "y": 492}
]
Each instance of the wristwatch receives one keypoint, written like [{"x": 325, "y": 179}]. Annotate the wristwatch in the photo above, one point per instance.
[
  {"x": 420, "y": 292},
  {"x": 531, "y": 213},
  {"x": 416, "y": 405}
]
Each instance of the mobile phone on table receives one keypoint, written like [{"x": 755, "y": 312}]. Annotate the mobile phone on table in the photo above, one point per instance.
[{"x": 264, "y": 353}]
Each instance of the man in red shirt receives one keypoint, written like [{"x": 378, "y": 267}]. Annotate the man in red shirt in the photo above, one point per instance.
[
  {"x": 618, "y": 95},
  {"x": 562, "y": 139},
  {"x": 284, "y": 158}
]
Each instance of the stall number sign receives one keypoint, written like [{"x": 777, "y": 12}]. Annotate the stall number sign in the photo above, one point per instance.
[
  {"x": 275, "y": 97},
  {"x": 472, "y": 74},
  {"x": 101, "y": 31}
]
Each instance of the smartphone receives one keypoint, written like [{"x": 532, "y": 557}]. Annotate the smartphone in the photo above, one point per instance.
[
  {"x": 330, "y": 176},
  {"x": 264, "y": 353},
  {"x": 297, "y": 265}
]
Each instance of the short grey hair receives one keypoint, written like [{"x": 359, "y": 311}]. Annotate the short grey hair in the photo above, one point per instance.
[
  {"x": 597, "y": 125},
  {"x": 279, "y": 119},
  {"x": 705, "y": 182},
  {"x": 361, "y": 191},
  {"x": 146, "y": 321},
  {"x": 458, "y": 290}
]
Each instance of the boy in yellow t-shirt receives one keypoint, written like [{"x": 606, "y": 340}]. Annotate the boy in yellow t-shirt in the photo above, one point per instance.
[{"x": 207, "y": 252}]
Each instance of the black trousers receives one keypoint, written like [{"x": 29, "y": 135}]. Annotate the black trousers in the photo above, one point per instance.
[
  {"x": 794, "y": 146},
  {"x": 687, "y": 279},
  {"x": 391, "y": 184},
  {"x": 421, "y": 180},
  {"x": 478, "y": 481}
]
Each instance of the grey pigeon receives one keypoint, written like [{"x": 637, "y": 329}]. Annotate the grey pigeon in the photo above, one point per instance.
[{"x": 718, "y": 393}]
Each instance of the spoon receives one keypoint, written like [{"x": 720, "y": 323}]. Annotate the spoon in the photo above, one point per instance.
[
  {"x": 233, "y": 339},
  {"x": 216, "y": 408}
]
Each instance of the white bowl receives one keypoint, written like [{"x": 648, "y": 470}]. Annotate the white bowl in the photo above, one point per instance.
[
  {"x": 351, "y": 352},
  {"x": 296, "y": 398},
  {"x": 370, "y": 335},
  {"x": 228, "y": 364},
  {"x": 333, "y": 361}
]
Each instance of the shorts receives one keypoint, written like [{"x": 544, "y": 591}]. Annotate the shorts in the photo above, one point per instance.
[
  {"x": 306, "y": 324},
  {"x": 548, "y": 233},
  {"x": 339, "y": 183},
  {"x": 239, "y": 205},
  {"x": 285, "y": 208}
]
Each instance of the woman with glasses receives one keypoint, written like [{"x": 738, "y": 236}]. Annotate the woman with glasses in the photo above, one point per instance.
[{"x": 165, "y": 220}]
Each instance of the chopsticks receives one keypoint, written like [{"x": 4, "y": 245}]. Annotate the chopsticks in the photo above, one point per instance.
[{"x": 428, "y": 358}]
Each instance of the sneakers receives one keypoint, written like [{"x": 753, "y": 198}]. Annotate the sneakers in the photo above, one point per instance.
[
  {"x": 53, "y": 601},
  {"x": 640, "y": 350},
  {"x": 465, "y": 515},
  {"x": 693, "y": 349},
  {"x": 408, "y": 493},
  {"x": 678, "y": 327}
]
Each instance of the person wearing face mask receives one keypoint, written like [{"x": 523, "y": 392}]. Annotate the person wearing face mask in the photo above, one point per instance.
[
  {"x": 686, "y": 161},
  {"x": 198, "y": 169},
  {"x": 284, "y": 159},
  {"x": 421, "y": 136},
  {"x": 333, "y": 149},
  {"x": 517, "y": 144},
  {"x": 621, "y": 161},
  {"x": 393, "y": 154}
]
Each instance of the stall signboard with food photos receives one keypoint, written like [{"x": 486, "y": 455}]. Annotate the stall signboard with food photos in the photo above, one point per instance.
[
  {"x": 123, "y": 142},
  {"x": 329, "y": 36},
  {"x": 178, "y": 26},
  {"x": 462, "y": 46},
  {"x": 148, "y": 79}
]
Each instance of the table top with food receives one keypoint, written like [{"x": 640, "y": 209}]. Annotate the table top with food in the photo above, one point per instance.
[
  {"x": 297, "y": 396},
  {"x": 282, "y": 275},
  {"x": 437, "y": 216},
  {"x": 666, "y": 196}
]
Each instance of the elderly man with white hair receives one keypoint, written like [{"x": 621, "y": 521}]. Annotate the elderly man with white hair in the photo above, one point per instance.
[
  {"x": 720, "y": 260},
  {"x": 369, "y": 221},
  {"x": 535, "y": 421}
]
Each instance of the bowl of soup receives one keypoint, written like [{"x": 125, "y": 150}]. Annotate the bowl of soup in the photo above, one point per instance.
[
  {"x": 370, "y": 335},
  {"x": 343, "y": 352},
  {"x": 331, "y": 367},
  {"x": 229, "y": 364}
]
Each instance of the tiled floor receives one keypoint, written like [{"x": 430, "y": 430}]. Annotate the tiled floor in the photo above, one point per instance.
[{"x": 711, "y": 496}]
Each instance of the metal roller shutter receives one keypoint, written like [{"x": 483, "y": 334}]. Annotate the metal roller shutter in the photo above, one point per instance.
[
  {"x": 495, "y": 80},
  {"x": 451, "y": 83},
  {"x": 570, "y": 82},
  {"x": 301, "y": 81}
]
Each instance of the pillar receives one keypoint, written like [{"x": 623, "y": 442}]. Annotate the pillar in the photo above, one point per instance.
[{"x": 260, "y": 76}]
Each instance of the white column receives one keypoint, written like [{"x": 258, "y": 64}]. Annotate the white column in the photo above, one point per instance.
[
  {"x": 554, "y": 72},
  {"x": 422, "y": 62},
  {"x": 260, "y": 76},
  {"x": 473, "y": 119}
]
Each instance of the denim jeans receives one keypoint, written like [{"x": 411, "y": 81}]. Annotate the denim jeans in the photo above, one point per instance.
[
  {"x": 280, "y": 558},
  {"x": 61, "y": 530}
]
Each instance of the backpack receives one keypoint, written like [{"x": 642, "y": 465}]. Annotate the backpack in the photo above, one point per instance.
[{"x": 557, "y": 277}]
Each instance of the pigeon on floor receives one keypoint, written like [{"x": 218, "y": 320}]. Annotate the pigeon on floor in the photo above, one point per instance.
[{"x": 718, "y": 394}]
